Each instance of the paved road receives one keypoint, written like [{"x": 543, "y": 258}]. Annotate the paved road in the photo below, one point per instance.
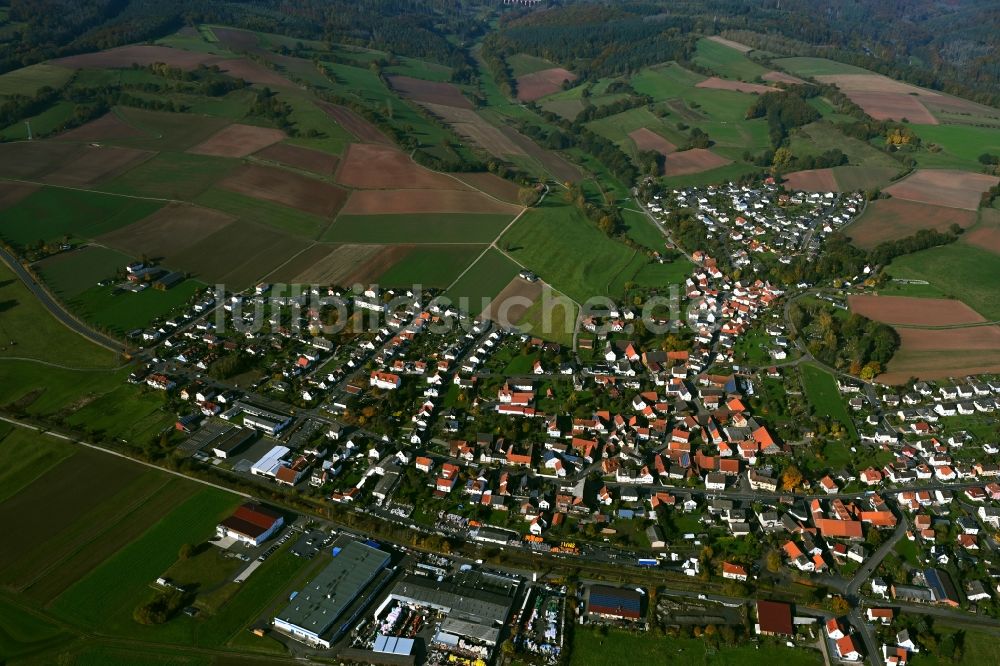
[{"x": 56, "y": 308}]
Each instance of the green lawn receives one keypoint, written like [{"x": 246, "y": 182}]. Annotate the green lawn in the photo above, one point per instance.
[
  {"x": 727, "y": 62},
  {"x": 417, "y": 228},
  {"x": 53, "y": 212},
  {"x": 71, "y": 273},
  {"x": 485, "y": 279},
  {"x": 173, "y": 176},
  {"x": 960, "y": 145},
  {"x": 807, "y": 67},
  {"x": 28, "y": 330},
  {"x": 43, "y": 124},
  {"x": 965, "y": 272},
  {"x": 121, "y": 312},
  {"x": 22, "y": 632},
  {"x": 27, "y": 80},
  {"x": 551, "y": 240},
  {"x": 107, "y": 596},
  {"x": 430, "y": 266},
  {"x": 822, "y": 392},
  {"x": 593, "y": 647},
  {"x": 522, "y": 63},
  {"x": 665, "y": 81}
]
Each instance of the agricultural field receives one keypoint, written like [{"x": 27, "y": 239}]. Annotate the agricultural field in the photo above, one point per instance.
[
  {"x": 956, "y": 146},
  {"x": 27, "y": 80},
  {"x": 435, "y": 266},
  {"x": 552, "y": 317},
  {"x": 956, "y": 189},
  {"x": 170, "y": 175},
  {"x": 899, "y": 310},
  {"x": 939, "y": 353},
  {"x": 482, "y": 281},
  {"x": 892, "y": 219},
  {"x": 538, "y": 84},
  {"x": 986, "y": 234},
  {"x": 532, "y": 239},
  {"x": 417, "y": 228},
  {"x": 522, "y": 63},
  {"x": 821, "y": 136},
  {"x": 53, "y": 214},
  {"x": 811, "y": 67}
]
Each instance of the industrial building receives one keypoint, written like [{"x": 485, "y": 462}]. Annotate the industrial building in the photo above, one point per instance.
[
  {"x": 257, "y": 417},
  {"x": 312, "y": 615},
  {"x": 251, "y": 524},
  {"x": 614, "y": 602},
  {"x": 477, "y": 604},
  {"x": 270, "y": 462}
]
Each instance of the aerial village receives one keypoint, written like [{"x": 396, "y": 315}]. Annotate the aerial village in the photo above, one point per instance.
[{"x": 693, "y": 454}]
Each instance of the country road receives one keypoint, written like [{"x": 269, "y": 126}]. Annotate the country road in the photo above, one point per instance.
[{"x": 56, "y": 308}]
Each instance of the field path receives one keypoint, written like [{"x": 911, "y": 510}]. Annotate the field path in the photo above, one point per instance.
[
  {"x": 67, "y": 438},
  {"x": 56, "y": 308}
]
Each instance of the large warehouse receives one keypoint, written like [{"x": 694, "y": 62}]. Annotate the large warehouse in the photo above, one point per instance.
[
  {"x": 477, "y": 603},
  {"x": 312, "y": 612},
  {"x": 251, "y": 524}
]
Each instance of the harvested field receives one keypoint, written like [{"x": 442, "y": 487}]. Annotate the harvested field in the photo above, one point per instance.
[
  {"x": 781, "y": 77},
  {"x": 742, "y": 48},
  {"x": 692, "y": 161},
  {"x": 872, "y": 83},
  {"x": 474, "y": 127},
  {"x": 254, "y": 73},
  {"x": 96, "y": 163},
  {"x": 893, "y": 106},
  {"x": 376, "y": 266},
  {"x": 340, "y": 263},
  {"x": 944, "y": 187},
  {"x": 286, "y": 188},
  {"x": 560, "y": 169},
  {"x": 236, "y": 40},
  {"x": 300, "y": 158},
  {"x": 31, "y": 159},
  {"x": 857, "y": 178},
  {"x": 715, "y": 83},
  {"x": 985, "y": 235},
  {"x": 418, "y": 228},
  {"x": 646, "y": 139},
  {"x": 908, "y": 311},
  {"x": 937, "y": 354},
  {"x": 251, "y": 252},
  {"x": 370, "y": 166},
  {"x": 108, "y": 127},
  {"x": 11, "y": 193},
  {"x": 238, "y": 140},
  {"x": 892, "y": 219},
  {"x": 168, "y": 231},
  {"x": 76, "y": 485},
  {"x": 137, "y": 54},
  {"x": 495, "y": 186},
  {"x": 509, "y": 306},
  {"x": 355, "y": 124},
  {"x": 432, "y": 92},
  {"x": 811, "y": 180},
  {"x": 545, "y": 82},
  {"x": 376, "y": 202},
  {"x": 948, "y": 104}
]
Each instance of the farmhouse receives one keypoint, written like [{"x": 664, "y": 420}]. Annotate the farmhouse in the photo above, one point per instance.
[
  {"x": 311, "y": 614},
  {"x": 251, "y": 524}
]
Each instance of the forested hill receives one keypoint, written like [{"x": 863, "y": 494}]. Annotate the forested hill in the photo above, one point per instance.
[
  {"x": 951, "y": 46},
  {"x": 36, "y": 30}
]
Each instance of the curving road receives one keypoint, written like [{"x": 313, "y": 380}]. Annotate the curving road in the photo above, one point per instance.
[{"x": 56, "y": 308}]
